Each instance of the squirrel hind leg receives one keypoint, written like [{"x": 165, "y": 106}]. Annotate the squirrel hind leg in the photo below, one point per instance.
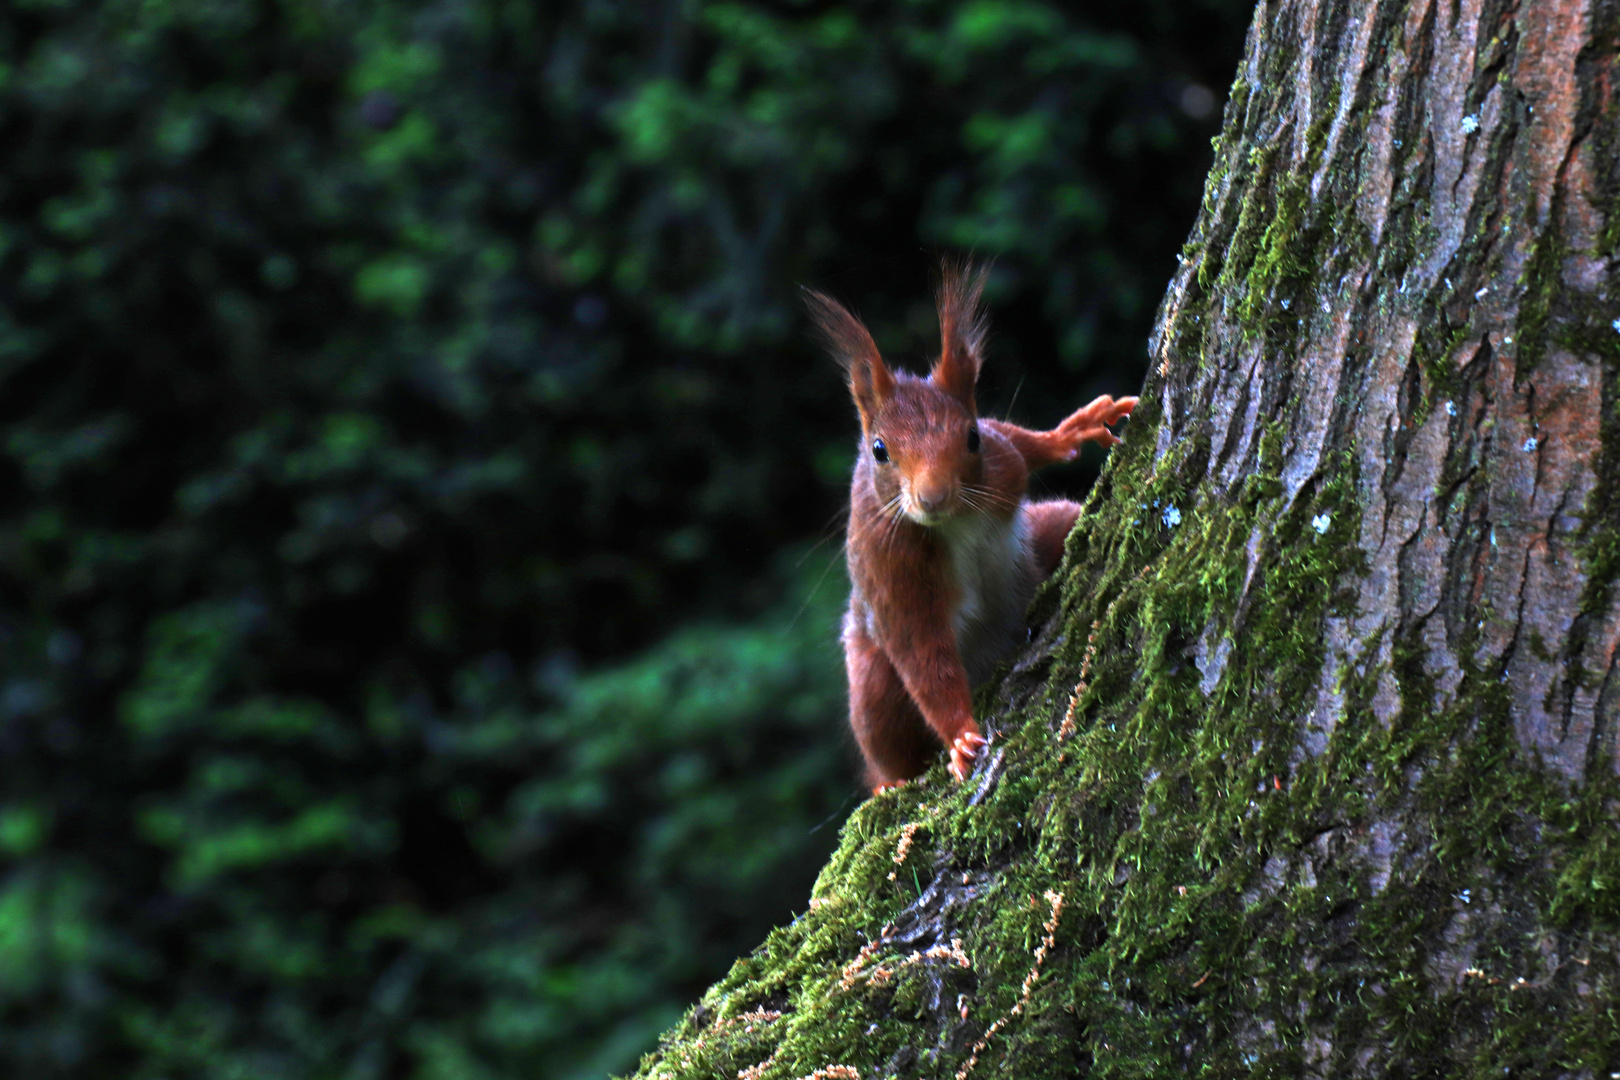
[
  {"x": 894, "y": 739},
  {"x": 1049, "y": 525}
]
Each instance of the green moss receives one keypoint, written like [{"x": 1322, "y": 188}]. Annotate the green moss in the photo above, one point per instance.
[
  {"x": 1276, "y": 261},
  {"x": 1254, "y": 213},
  {"x": 1435, "y": 352},
  {"x": 1599, "y": 543},
  {"x": 1205, "y": 247},
  {"x": 1541, "y": 283}
]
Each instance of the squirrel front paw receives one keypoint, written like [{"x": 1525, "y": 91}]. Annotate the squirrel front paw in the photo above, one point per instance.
[
  {"x": 964, "y": 751},
  {"x": 1090, "y": 424}
]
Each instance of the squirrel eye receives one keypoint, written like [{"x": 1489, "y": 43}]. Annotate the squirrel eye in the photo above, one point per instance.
[
  {"x": 880, "y": 451},
  {"x": 973, "y": 439}
]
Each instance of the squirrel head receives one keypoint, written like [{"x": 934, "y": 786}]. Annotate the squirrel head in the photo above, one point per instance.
[{"x": 921, "y": 445}]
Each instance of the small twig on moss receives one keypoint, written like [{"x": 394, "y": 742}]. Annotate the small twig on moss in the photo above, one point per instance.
[
  {"x": 1520, "y": 983},
  {"x": 907, "y": 832},
  {"x": 748, "y": 1020},
  {"x": 1067, "y": 727},
  {"x": 884, "y": 972},
  {"x": 952, "y": 952},
  {"x": 757, "y": 1016},
  {"x": 828, "y": 1072},
  {"x": 1054, "y": 898},
  {"x": 852, "y": 970}
]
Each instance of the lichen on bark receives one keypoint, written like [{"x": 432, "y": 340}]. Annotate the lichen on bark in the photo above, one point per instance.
[{"x": 1311, "y": 767}]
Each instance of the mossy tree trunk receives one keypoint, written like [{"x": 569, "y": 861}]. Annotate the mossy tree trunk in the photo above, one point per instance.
[{"x": 1312, "y": 769}]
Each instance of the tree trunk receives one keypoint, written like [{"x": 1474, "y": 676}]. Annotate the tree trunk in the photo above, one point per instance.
[{"x": 1313, "y": 768}]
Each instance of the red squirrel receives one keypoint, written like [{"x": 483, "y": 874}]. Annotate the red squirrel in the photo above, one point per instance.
[{"x": 944, "y": 548}]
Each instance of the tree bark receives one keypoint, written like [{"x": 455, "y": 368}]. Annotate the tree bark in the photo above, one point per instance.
[{"x": 1312, "y": 769}]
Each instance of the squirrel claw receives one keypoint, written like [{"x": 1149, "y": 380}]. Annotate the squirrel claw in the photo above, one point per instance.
[
  {"x": 887, "y": 785},
  {"x": 1090, "y": 423},
  {"x": 964, "y": 751}
]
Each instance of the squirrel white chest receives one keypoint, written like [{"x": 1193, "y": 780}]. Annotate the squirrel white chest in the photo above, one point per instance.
[{"x": 992, "y": 575}]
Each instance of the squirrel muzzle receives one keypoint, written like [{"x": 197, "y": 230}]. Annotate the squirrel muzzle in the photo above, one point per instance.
[{"x": 930, "y": 499}]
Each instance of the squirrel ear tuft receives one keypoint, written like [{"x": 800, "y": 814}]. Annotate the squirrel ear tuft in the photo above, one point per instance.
[
  {"x": 871, "y": 382},
  {"x": 962, "y": 329}
]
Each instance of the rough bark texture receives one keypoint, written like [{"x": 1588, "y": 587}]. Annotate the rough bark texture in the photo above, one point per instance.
[{"x": 1312, "y": 769}]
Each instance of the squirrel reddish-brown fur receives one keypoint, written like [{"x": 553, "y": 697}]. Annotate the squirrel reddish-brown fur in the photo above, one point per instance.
[{"x": 944, "y": 549}]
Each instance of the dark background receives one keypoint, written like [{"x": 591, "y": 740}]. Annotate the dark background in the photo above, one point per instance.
[{"x": 419, "y": 492}]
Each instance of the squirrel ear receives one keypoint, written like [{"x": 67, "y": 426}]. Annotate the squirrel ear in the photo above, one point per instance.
[
  {"x": 961, "y": 330},
  {"x": 870, "y": 380}
]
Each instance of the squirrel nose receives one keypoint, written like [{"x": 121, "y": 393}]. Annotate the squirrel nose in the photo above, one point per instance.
[{"x": 931, "y": 499}]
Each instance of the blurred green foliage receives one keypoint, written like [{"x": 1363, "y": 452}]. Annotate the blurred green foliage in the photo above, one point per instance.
[{"x": 384, "y": 386}]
